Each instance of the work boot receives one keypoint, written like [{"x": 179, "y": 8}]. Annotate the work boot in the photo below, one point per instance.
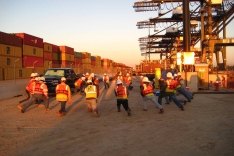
[
  {"x": 129, "y": 112},
  {"x": 182, "y": 108},
  {"x": 97, "y": 113},
  {"x": 161, "y": 111},
  {"x": 19, "y": 106}
]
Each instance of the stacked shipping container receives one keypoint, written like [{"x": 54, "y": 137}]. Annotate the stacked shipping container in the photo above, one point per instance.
[
  {"x": 10, "y": 56},
  {"x": 86, "y": 62},
  {"x": 78, "y": 62},
  {"x": 32, "y": 50},
  {"x": 67, "y": 56},
  {"x": 47, "y": 55},
  {"x": 24, "y": 54}
]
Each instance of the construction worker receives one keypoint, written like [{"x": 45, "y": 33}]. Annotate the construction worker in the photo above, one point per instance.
[
  {"x": 180, "y": 89},
  {"x": 120, "y": 77},
  {"x": 39, "y": 92},
  {"x": 95, "y": 81},
  {"x": 63, "y": 95},
  {"x": 128, "y": 81},
  {"x": 79, "y": 84},
  {"x": 91, "y": 95},
  {"x": 171, "y": 90},
  {"x": 147, "y": 92},
  {"x": 106, "y": 80},
  {"x": 28, "y": 88},
  {"x": 121, "y": 93},
  {"x": 162, "y": 88},
  {"x": 86, "y": 76}
]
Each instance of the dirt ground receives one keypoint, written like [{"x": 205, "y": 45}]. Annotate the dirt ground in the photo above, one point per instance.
[{"x": 205, "y": 128}]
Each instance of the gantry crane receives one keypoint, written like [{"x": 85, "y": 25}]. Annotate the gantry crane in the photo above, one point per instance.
[{"x": 207, "y": 18}]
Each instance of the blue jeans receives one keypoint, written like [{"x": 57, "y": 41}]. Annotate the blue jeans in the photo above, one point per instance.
[
  {"x": 185, "y": 93},
  {"x": 153, "y": 99},
  {"x": 172, "y": 96}
]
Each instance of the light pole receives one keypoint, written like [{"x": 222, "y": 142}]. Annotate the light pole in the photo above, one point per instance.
[
  {"x": 16, "y": 60},
  {"x": 34, "y": 64}
]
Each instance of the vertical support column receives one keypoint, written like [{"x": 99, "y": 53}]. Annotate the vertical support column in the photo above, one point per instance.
[{"x": 186, "y": 26}]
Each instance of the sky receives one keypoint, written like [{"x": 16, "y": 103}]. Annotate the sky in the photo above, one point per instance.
[{"x": 106, "y": 28}]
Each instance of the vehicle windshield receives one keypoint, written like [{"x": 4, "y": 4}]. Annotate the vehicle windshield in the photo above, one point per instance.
[{"x": 54, "y": 72}]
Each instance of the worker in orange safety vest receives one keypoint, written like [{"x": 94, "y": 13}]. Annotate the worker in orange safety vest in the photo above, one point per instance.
[
  {"x": 63, "y": 95},
  {"x": 121, "y": 93},
  {"x": 39, "y": 92}
]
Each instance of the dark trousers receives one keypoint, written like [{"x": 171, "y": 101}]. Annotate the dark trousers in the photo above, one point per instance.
[
  {"x": 33, "y": 100},
  {"x": 172, "y": 96},
  {"x": 124, "y": 102},
  {"x": 63, "y": 106}
]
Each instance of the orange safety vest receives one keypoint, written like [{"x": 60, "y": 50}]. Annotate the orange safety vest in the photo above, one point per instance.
[
  {"x": 121, "y": 91},
  {"x": 149, "y": 89},
  {"x": 78, "y": 82},
  {"x": 37, "y": 89},
  {"x": 30, "y": 85},
  {"x": 62, "y": 89}
]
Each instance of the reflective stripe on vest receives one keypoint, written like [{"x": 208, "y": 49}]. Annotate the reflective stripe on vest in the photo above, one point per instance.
[
  {"x": 91, "y": 92},
  {"x": 37, "y": 88},
  {"x": 62, "y": 89}
]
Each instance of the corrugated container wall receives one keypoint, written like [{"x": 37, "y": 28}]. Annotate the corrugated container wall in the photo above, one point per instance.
[
  {"x": 31, "y": 40},
  {"x": 47, "y": 51},
  {"x": 10, "y": 51}
]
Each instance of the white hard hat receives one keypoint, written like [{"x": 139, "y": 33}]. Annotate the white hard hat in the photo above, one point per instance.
[
  {"x": 83, "y": 78},
  {"x": 33, "y": 75},
  {"x": 119, "y": 82},
  {"x": 37, "y": 79},
  {"x": 89, "y": 81},
  {"x": 175, "y": 75},
  {"x": 169, "y": 75},
  {"x": 179, "y": 74},
  {"x": 145, "y": 79},
  {"x": 36, "y": 74},
  {"x": 87, "y": 74},
  {"x": 42, "y": 78},
  {"x": 92, "y": 74},
  {"x": 63, "y": 79}
]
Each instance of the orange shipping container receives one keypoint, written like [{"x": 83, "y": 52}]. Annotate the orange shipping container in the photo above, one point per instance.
[
  {"x": 67, "y": 57},
  {"x": 8, "y": 50},
  {"x": 66, "y": 49},
  {"x": 6, "y": 61},
  {"x": 47, "y": 47},
  {"x": 32, "y": 51}
]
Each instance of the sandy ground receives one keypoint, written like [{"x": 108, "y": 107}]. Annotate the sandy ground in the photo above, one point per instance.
[{"x": 205, "y": 128}]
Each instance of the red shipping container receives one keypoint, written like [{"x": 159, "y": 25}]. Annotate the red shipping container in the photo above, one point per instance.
[
  {"x": 33, "y": 61},
  {"x": 47, "y": 55},
  {"x": 31, "y": 40},
  {"x": 55, "y": 48},
  {"x": 10, "y": 39},
  {"x": 66, "y": 49}
]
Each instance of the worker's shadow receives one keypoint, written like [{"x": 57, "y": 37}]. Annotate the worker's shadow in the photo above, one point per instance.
[{"x": 74, "y": 103}]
